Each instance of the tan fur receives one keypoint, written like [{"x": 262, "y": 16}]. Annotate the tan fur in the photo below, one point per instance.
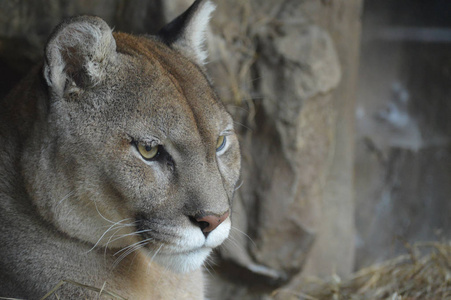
[{"x": 75, "y": 193}]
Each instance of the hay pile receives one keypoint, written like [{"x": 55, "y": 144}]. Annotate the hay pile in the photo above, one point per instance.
[{"x": 408, "y": 277}]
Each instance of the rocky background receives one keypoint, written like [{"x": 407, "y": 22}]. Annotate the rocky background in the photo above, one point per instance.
[
  {"x": 403, "y": 153},
  {"x": 288, "y": 72}
]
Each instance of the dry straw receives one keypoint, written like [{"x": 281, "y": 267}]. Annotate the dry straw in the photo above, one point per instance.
[{"x": 407, "y": 277}]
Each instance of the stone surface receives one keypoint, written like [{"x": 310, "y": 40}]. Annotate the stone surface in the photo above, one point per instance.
[{"x": 295, "y": 74}]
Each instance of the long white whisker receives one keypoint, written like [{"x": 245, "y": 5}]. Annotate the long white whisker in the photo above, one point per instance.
[
  {"x": 242, "y": 125},
  {"x": 129, "y": 251},
  {"x": 207, "y": 266},
  {"x": 106, "y": 231},
  {"x": 125, "y": 254},
  {"x": 97, "y": 209},
  {"x": 234, "y": 228},
  {"x": 123, "y": 225},
  {"x": 151, "y": 259},
  {"x": 65, "y": 197},
  {"x": 233, "y": 242},
  {"x": 131, "y": 246},
  {"x": 98, "y": 241},
  {"x": 133, "y": 259},
  {"x": 164, "y": 271},
  {"x": 69, "y": 212},
  {"x": 156, "y": 252},
  {"x": 239, "y": 186},
  {"x": 239, "y": 107},
  {"x": 119, "y": 229},
  {"x": 133, "y": 233},
  {"x": 136, "y": 246}
]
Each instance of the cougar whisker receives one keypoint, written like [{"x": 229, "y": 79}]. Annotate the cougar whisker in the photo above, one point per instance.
[
  {"x": 132, "y": 248},
  {"x": 245, "y": 234},
  {"x": 106, "y": 231}
]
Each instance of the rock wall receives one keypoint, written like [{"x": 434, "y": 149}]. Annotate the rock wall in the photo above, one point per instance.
[{"x": 287, "y": 71}]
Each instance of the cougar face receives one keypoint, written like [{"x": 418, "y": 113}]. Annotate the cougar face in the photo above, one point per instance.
[
  {"x": 138, "y": 151},
  {"x": 176, "y": 168}
]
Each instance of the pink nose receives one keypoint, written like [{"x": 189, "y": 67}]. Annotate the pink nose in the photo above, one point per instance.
[{"x": 210, "y": 222}]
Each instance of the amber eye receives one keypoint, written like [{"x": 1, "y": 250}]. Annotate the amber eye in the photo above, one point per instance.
[
  {"x": 147, "y": 152},
  {"x": 221, "y": 143}
]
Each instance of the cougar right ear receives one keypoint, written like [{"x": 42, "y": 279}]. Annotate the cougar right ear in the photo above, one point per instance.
[
  {"x": 187, "y": 33},
  {"x": 77, "y": 53}
]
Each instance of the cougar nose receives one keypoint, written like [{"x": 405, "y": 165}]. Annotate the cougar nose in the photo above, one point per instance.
[{"x": 209, "y": 223}]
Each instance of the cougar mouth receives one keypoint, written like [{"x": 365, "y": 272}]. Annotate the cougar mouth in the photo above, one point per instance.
[
  {"x": 180, "y": 253},
  {"x": 181, "y": 249}
]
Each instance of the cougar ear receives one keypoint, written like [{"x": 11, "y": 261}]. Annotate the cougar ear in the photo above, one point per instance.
[
  {"x": 187, "y": 32},
  {"x": 77, "y": 53}
]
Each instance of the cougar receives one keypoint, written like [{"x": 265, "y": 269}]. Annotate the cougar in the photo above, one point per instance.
[{"x": 118, "y": 164}]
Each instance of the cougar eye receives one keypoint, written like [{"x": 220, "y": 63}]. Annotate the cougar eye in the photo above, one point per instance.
[
  {"x": 147, "y": 152},
  {"x": 221, "y": 143}
]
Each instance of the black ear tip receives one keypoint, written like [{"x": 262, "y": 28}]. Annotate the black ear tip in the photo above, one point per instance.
[
  {"x": 187, "y": 32},
  {"x": 169, "y": 32}
]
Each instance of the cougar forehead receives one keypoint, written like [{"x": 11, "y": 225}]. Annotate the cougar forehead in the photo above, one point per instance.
[{"x": 169, "y": 92}]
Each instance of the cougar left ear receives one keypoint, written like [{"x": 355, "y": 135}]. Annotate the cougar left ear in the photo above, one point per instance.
[
  {"x": 77, "y": 54},
  {"x": 187, "y": 32}
]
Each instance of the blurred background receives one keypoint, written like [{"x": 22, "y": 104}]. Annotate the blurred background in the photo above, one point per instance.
[{"x": 343, "y": 108}]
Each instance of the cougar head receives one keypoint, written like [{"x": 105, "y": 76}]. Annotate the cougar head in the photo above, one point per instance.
[{"x": 135, "y": 151}]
